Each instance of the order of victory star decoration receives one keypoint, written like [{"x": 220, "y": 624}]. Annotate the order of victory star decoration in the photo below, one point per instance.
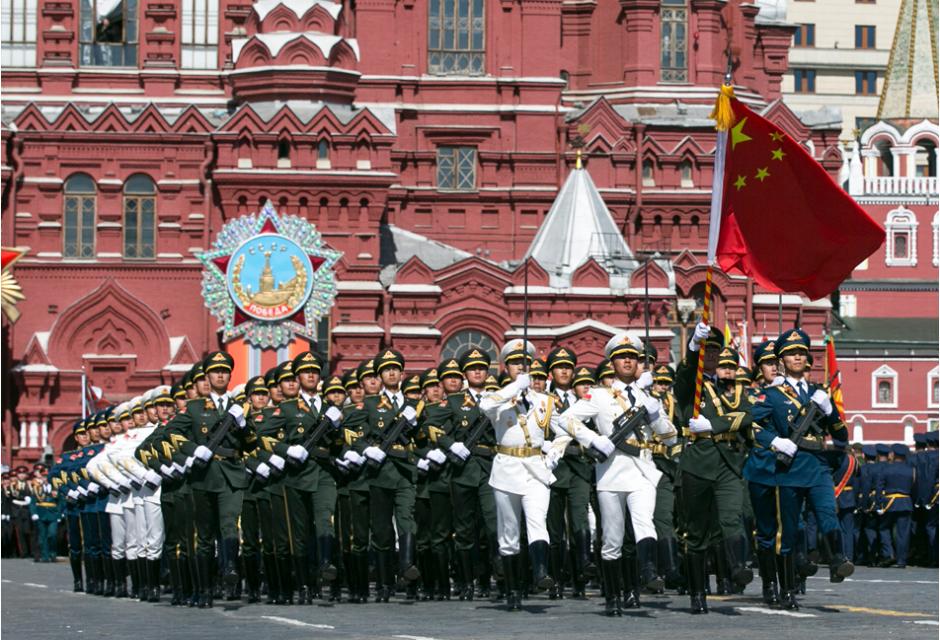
[{"x": 269, "y": 277}]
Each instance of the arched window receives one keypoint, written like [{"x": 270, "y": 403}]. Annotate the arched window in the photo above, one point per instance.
[
  {"x": 140, "y": 204},
  {"x": 933, "y": 387},
  {"x": 470, "y": 339},
  {"x": 283, "y": 153},
  {"x": 925, "y": 158},
  {"x": 648, "y": 179},
  {"x": 901, "y": 229},
  {"x": 323, "y": 154},
  {"x": 79, "y": 217},
  {"x": 456, "y": 30},
  {"x": 673, "y": 41},
  {"x": 884, "y": 387}
]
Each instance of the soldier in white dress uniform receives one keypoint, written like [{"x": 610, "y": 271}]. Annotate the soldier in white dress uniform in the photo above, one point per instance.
[
  {"x": 526, "y": 454},
  {"x": 627, "y": 479}
]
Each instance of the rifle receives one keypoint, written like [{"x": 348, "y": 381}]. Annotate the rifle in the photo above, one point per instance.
[
  {"x": 316, "y": 434},
  {"x": 476, "y": 432},
  {"x": 629, "y": 423},
  {"x": 218, "y": 434},
  {"x": 389, "y": 438},
  {"x": 807, "y": 420}
]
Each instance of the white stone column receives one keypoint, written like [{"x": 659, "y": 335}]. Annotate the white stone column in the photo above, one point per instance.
[
  {"x": 44, "y": 434},
  {"x": 858, "y": 433},
  {"x": 33, "y": 434},
  {"x": 22, "y": 442},
  {"x": 908, "y": 433}
]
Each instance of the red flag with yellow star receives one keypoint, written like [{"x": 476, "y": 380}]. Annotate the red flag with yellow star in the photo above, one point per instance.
[{"x": 784, "y": 221}]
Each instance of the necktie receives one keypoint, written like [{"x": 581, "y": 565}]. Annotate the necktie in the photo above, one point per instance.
[
  {"x": 803, "y": 390},
  {"x": 631, "y": 396},
  {"x": 394, "y": 400}
]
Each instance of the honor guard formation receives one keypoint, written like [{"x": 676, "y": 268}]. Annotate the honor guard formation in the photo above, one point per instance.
[{"x": 552, "y": 480}]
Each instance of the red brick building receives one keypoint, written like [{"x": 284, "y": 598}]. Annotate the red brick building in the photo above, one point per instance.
[{"x": 428, "y": 140}]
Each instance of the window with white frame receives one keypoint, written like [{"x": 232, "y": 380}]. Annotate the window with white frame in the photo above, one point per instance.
[
  {"x": 18, "y": 33},
  {"x": 933, "y": 387},
  {"x": 200, "y": 34},
  {"x": 108, "y": 35},
  {"x": 848, "y": 305},
  {"x": 901, "y": 228},
  {"x": 884, "y": 387},
  {"x": 936, "y": 238}
]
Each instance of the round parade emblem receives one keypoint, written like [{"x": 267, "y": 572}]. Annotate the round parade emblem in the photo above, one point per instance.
[
  {"x": 271, "y": 277},
  {"x": 205, "y": 429},
  {"x": 300, "y": 429}
]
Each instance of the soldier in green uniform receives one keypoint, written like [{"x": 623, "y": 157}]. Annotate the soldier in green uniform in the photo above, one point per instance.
[
  {"x": 355, "y": 423},
  {"x": 433, "y": 536},
  {"x": 538, "y": 374},
  {"x": 711, "y": 467},
  {"x": 334, "y": 393},
  {"x": 256, "y": 521},
  {"x": 571, "y": 491},
  {"x": 218, "y": 478},
  {"x": 471, "y": 494},
  {"x": 412, "y": 387},
  {"x": 604, "y": 373},
  {"x": 272, "y": 438},
  {"x": 665, "y": 457},
  {"x": 392, "y": 481}
]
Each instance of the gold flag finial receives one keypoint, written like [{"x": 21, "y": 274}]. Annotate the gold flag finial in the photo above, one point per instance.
[{"x": 577, "y": 159}]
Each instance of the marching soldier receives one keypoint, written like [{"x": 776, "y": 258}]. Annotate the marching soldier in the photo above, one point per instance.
[
  {"x": 62, "y": 479},
  {"x": 711, "y": 464},
  {"x": 896, "y": 484},
  {"x": 473, "y": 503},
  {"x": 45, "y": 512},
  {"x": 392, "y": 482},
  {"x": 538, "y": 376},
  {"x": 808, "y": 478},
  {"x": 433, "y": 424},
  {"x": 627, "y": 478},
  {"x": 665, "y": 457},
  {"x": 522, "y": 469},
  {"x": 571, "y": 491},
  {"x": 218, "y": 478}
]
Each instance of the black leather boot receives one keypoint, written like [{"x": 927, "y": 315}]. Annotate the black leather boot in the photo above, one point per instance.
[
  {"x": 840, "y": 567},
  {"x": 328, "y": 570},
  {"x": 109, "y": 572},
  {"x": 285, "y": 572},
  {"x": 120, "y": 568},
  {"x": 584, "y": 555},
  {"x": 667, "y": 560},
  {"x": 697, "y": 578},
  {"x": 646, "y": 556},
  {"x": 135, "y": 579},
  {"x": 767, "y": 566},
  {"x": 153, "y": 567},
  {"x": 786, "y": 570},
  {"x": 406, "y": 557},
  {"x": 442, "y": 568},
  {"x": 204, "y": 566},
  {"x": 556, "y": 560},
  {"x": 230, "y": 566},
  {"x": 740, "y": 575},
  {"x": 465, "y": 564},
  {"x": 613, "y": 605},
  {"x": 76, "y": 563},
  {"x": 143, "y": 574},
  {"x": 272, "y": 578},
  {"x": 383, "y": 586},
  {"x": 630, "y": 582},
  {"x": 252, "y": 579},
  {"x": 511, "y": 567},
  {"x": 538, "y": 555}
]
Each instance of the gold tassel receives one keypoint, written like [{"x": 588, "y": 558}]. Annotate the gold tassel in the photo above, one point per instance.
[{"x": 722, "y": 114}]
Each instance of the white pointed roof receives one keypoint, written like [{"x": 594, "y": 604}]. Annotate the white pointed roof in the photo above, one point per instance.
[{"x": 579, "y": 227}]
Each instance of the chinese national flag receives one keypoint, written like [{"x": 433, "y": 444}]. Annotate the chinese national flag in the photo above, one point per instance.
[{"x": 784, "y": 221}]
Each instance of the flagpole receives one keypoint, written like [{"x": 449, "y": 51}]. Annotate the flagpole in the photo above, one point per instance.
[
  {"x": 84, "y": 396},
  {"x": 724, "y": 119}
]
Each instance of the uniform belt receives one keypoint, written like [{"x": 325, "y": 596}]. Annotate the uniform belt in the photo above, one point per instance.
[
  {"x": 45, "y": 504},
  {"x": 666, "y": 450},
  {"x": 574, "y": 450},
  {"x": 484, "y": 450},
  {"x": 717, "y": 437},
  {"x": 847, "y": 487},
  {"x": 519, "y": 452},
  {"x": 225, "y": 452},
  {"x": 898, "y": 495}
]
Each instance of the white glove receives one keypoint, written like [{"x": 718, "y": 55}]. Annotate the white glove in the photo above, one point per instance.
[
  {"x": 653, "y": 406},
  {"x": 238, "y": 413},
  {"x": 436, "y": 455},
  {"x": 353, "y": 457},
  {"x": 263, "y": 470},
  {"x": 166, "y": 471},
  {"x": 297, "y": 452},
  {"x": 701, "y": 424},
  {"x": 340, "y": 462},
  {"x": 82, "y": 490},
  {"x": 423, "y": 465},
  {"x": 335, "y": 415},
  {"x": 701, "y": 332},
  {"x": 276, "y": 461},
  {"x": 460, "y": 450},
  {"x": 777, "y": 381},
  {"x": 604, "y": 445},
  {"x": 784, "y": 445},
  {"x": 520, "y": 384},
  {"x": 821, "y": 398},
  {"x": 34, "y": 517},
  {"x": 551, "y": 458},
  {"x": 153, "y": 477},
  {"x": 547, "y": 445},
  {"x": 73, "y": 494},
  {"x": 409, "y": 414},
  {"x": 189, "y": 463},
  {"x": 375, "y": 454},
  {"x": 94, "y": 488},
  {"x": 178, "y": 468},
  {"x": 203, "y": 453},
  {"x": 645, "y": 381}
]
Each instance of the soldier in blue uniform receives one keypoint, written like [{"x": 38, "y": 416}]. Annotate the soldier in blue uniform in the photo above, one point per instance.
[
  {"x": 881, "y": 551},
  {"x": 808, "y": 477},
  {"x": 917, "y": 458},
  {"x": 929, "y": 482},
  {"x": 896, "y": 485},
  {"x": 844, "y": 477},
  {"x": 61, "y": 479},
  {"x": 866, "y": 521}
]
